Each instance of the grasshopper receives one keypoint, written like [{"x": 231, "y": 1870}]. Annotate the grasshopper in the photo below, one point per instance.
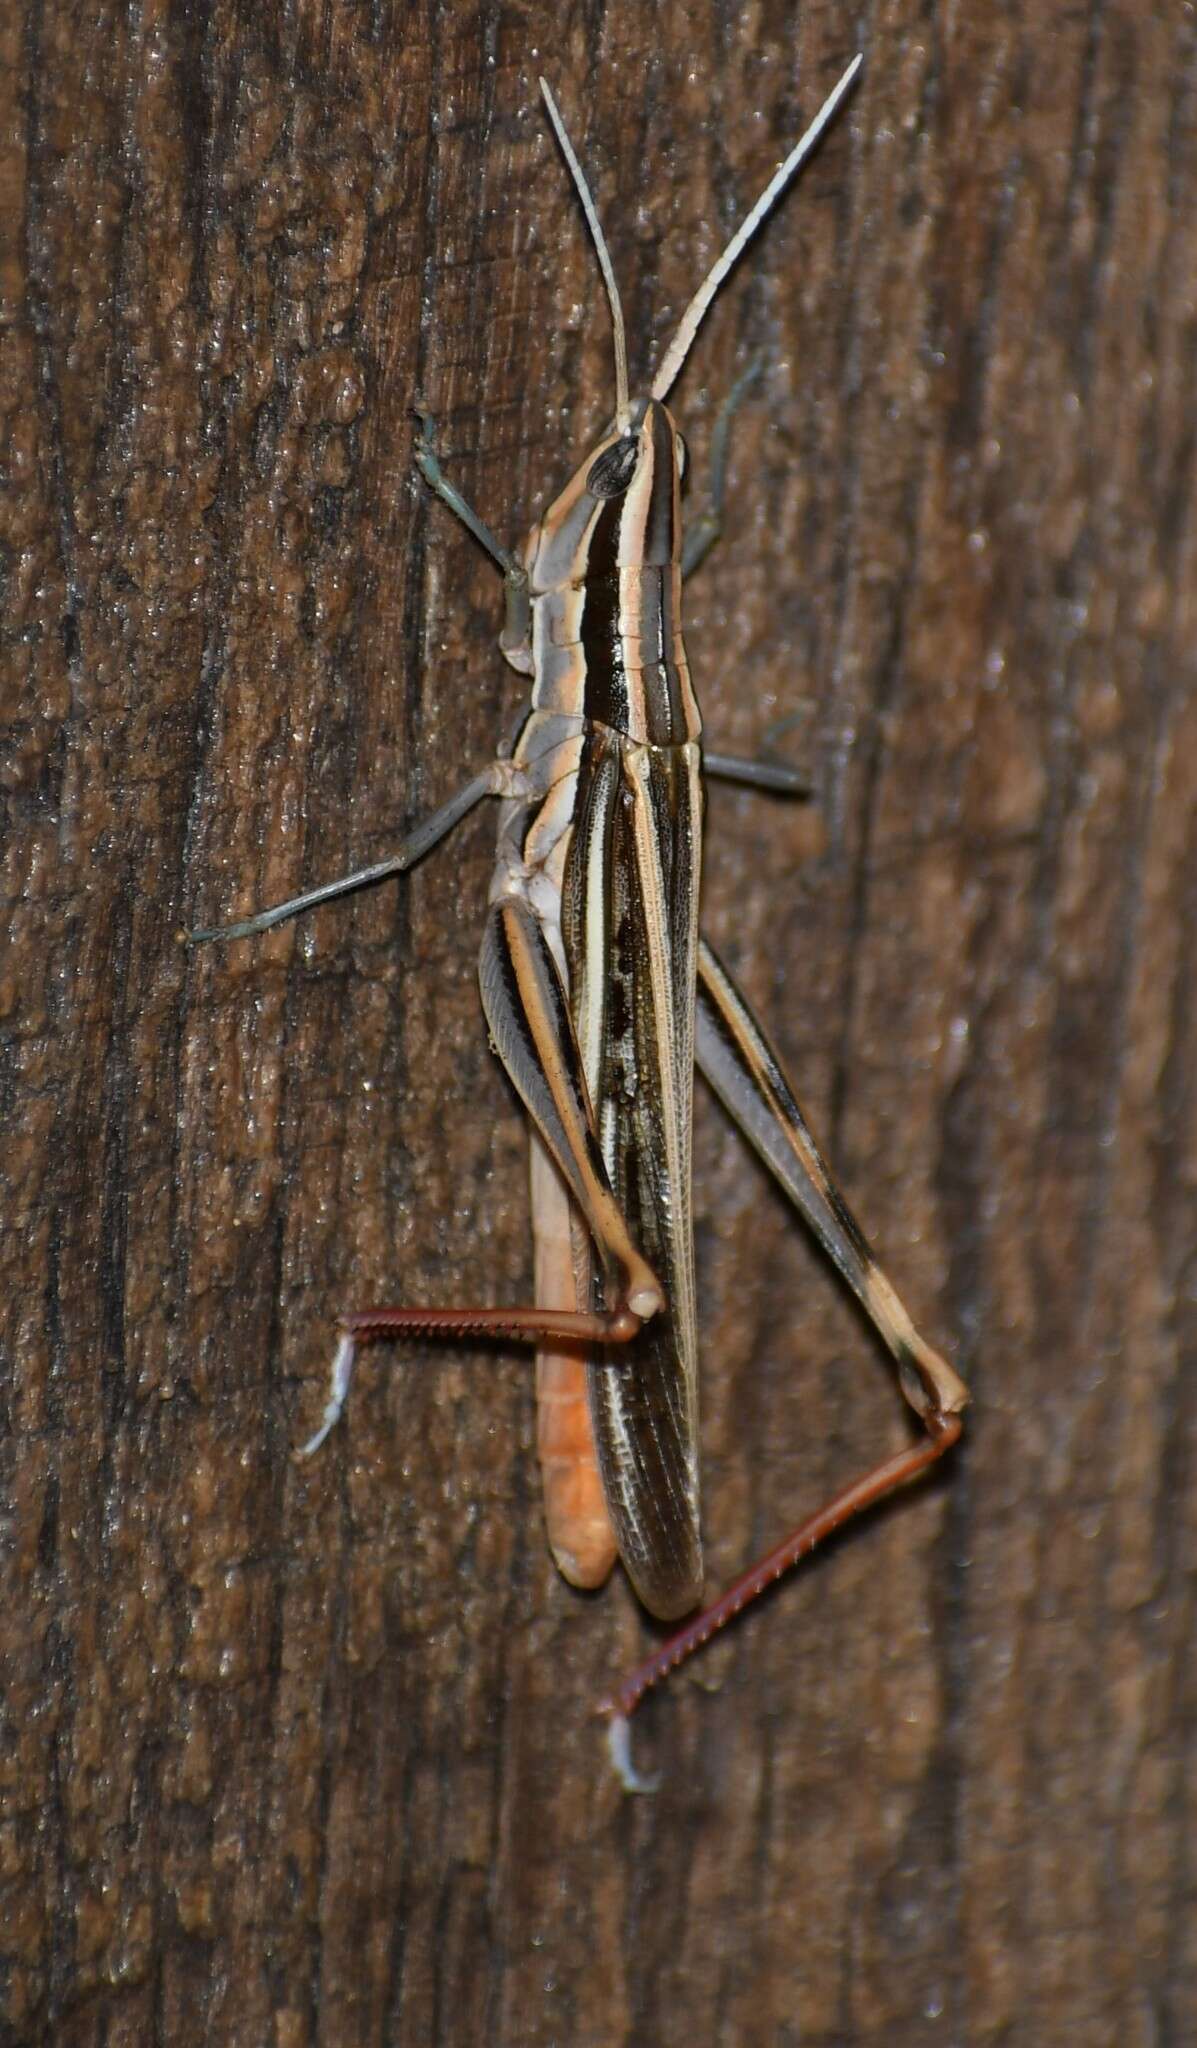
[{"x": 601, "y": 997}]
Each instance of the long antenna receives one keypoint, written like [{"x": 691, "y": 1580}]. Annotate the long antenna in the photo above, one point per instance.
[
  {"x": 695, "y": 312},
  {"x": 621, "y": 347}
]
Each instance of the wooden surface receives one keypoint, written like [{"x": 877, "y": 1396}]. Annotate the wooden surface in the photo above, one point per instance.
[{"x": 302, "y": 1754}]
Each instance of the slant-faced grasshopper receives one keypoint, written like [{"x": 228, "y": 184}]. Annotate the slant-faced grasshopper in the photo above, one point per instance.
[{"x": 601, "y": 996}]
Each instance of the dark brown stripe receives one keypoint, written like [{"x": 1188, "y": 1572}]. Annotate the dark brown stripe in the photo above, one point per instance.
[
  {"x": 644, "y": 702},
  {"x": 660, "y": 536}
]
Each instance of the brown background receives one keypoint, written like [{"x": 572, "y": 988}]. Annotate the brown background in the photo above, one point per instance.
[{"x": 303, "y": 1754}]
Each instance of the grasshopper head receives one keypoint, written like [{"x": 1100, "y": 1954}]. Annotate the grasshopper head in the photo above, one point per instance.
[{"x": 620, "y": 509}]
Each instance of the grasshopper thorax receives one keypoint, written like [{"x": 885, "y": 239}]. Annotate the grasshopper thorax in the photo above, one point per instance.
[{"x": 605, "y": 582}]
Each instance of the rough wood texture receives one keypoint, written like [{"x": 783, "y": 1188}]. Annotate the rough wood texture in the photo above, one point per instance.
[{"x": 302, "y": 1754}]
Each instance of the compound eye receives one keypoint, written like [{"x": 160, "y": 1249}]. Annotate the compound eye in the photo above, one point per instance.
[
  {"x": 613, "y": 470},
  {"x": 681, "y": 453}
]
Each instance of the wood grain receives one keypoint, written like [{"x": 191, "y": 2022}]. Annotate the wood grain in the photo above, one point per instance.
[{"x": 303, "y": 1754}]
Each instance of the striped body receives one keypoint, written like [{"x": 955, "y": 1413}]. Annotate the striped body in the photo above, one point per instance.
[
  {"x": 606, "y": 854},
  {"x": 601, "y": 998}
]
